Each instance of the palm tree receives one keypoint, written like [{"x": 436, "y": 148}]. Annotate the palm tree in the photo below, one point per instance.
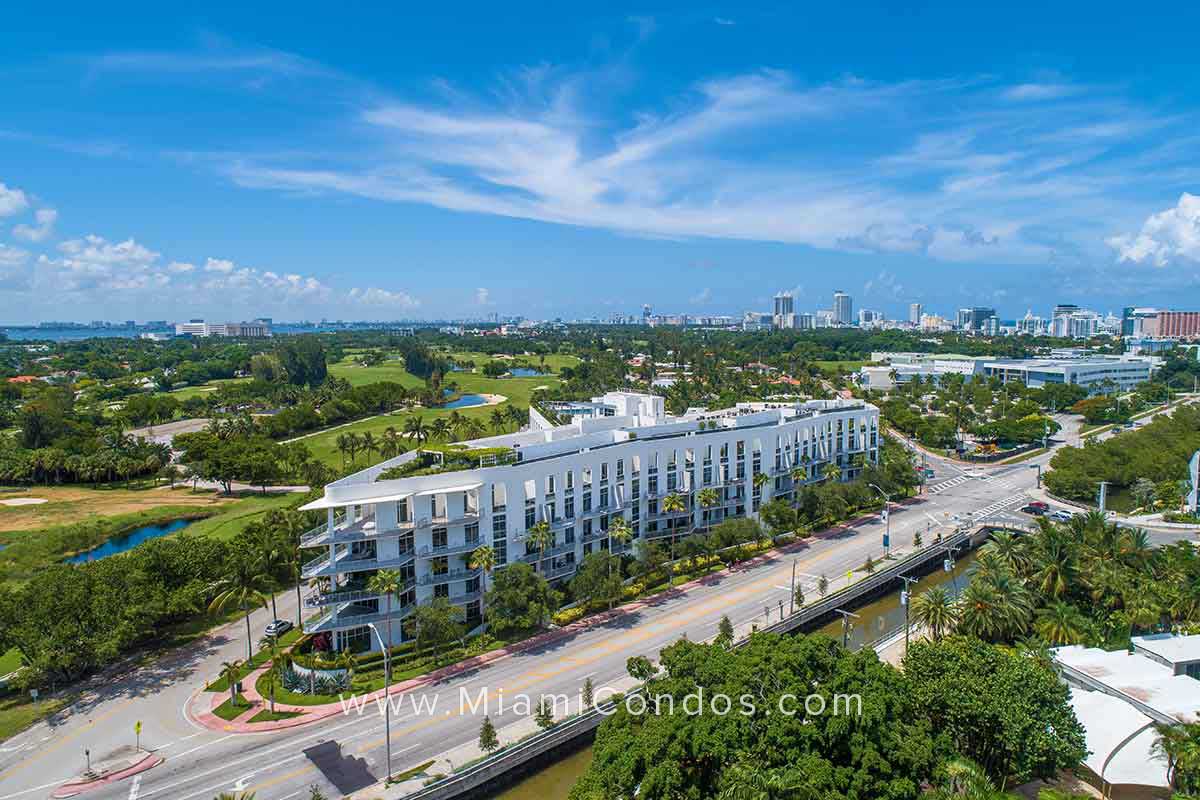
[
  {"x": 934, "y": 609},
  {"x": 440, "y": 429},
  {"x": 483, "y": 558},
  {"x": 708, "y": 498},
  {"x": 823, "y": 585},
  {"x": 965, "y": 779},
  {"x": 232, "y": 796},
  {"x": 1179, "y": 745},
  {"x": 496, "y": 419},
  {"x": 242, "y": 589},
  {"x": 540, "y": 537},
  {"x": 759, "y": 479},
  {"x": 619, "y": 531},
  {"x": 1060, "y": 623},
  {"x": 673, "y": 504},
  {"x": 516, "y": 415},
  {"x": 343, "y": 446},
  {"x": 369, "y": 445},
  {"x": 414, "y": 426},
  {"x": 271, "y": 559},
  {"x": 230, "y": 671},
  {"x": 389, "y": 445},
  {"x": 389, "y": 583}
]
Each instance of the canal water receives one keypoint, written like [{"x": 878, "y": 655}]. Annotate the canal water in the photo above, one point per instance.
[
  {"x": 885, "y": 615},
  {"x": 121, "y": 544},
  {"x": 876, "y": 620}
]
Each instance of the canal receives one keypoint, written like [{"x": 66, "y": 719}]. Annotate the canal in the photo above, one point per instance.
[{"x": 876, "y": 620}]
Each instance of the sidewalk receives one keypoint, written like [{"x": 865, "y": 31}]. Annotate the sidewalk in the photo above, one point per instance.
[
  {"x": 202, "y": 703},
  {"x": 119, "y": 765}
]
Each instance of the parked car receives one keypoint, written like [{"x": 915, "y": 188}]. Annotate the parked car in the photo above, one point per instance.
[
  {"x": 278, "y": 627},
  {"x": 1040, "y": 504},
  {"x": 1061, "y": 516},
  {"x": 1033, "y": 510}
]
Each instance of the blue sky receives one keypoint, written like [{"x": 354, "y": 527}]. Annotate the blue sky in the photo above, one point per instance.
[{"x": 313, "y": 160}]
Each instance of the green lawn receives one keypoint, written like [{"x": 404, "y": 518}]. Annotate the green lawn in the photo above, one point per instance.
[
  {"x": 517, "y": 391},
  {"x": 229, "y": 712},
  {"x": 10, "y": 661},
  {"x": 220, "y": 684},
  {"x": 839, "y": 367},
  {"x": 187, "y": 392},
  {"x": 235, "y": 517},
  {"x": 18, "y": 712},
  {"x": 267, "y": 715}
]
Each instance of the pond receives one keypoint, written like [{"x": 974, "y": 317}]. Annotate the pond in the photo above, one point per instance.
[
  {"x": 121, "y": 544},
  {"x": 525, "y": 372},
  {"x": 466, "y": 401}
]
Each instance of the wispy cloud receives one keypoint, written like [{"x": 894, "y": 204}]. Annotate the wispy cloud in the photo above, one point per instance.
[{"x": 956, "y": 169}]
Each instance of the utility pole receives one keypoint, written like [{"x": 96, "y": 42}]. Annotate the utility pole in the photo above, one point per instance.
[
  {"x": 887, "y": 519},
  {"x": 1103, "y": 495},
  {"x": 792, "y": 593},
  {"x": 904, "y": 598},
  {"x": 846, "y": 625}
]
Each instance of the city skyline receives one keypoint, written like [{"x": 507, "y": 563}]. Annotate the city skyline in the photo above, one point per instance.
[{"x": 167, "y": 168}]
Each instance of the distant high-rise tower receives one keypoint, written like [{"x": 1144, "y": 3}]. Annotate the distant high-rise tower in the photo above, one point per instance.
[
  {"x": 914, "y": 313},
  {"x": 843, "y": 308},
  {"x": 646, "y": 314},
  {"x": 783, "y": 316}
]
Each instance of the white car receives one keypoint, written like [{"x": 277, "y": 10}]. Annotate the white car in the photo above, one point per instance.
[{"x": 1061, "y": 516}]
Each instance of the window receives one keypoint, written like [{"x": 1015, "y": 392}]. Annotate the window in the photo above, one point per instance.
[
  {"x": 604, "y": 473},
  {"x": 587, "y": 529},
  {"x": 530, "y": 513},
  {"x": 570, "y": 482},
  {"x": 569, "y": 535},
  {"x": 652, "y": 484},
  {"x": 498, "y": 497},
  {"x": 472, "y": 533},
  {"x": 587, "y": 502},
  {"x": 439, "y": 537},
  {"x": 620, "y": 469},
  {"x": 549, "y": 484},
  {"x": 569, "y": 506}
]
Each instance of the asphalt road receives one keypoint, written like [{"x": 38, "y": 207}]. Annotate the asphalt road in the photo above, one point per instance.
[{"x": 345, "y": 753}]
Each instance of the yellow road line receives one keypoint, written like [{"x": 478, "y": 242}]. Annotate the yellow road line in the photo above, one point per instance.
[{"x": 63, "y": 740}]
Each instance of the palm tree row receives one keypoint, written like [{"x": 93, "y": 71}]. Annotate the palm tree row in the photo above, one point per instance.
[
  {"x": 1088, "y": 581},
  {"x": 417, "y": 431}
]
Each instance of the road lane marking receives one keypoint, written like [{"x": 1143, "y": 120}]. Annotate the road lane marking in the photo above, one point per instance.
[
  {"x": 135, "y": 787},
  {"x": 62, "y": 740}
]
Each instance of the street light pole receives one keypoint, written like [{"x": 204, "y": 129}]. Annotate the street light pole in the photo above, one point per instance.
[
  {"x": 846, "y": 615},
  {"x": 387, "y": 702},
  {"x": 904, "y": 601},
  {"x": 887, "y": 519},
  {"x": 792, "y": 593}
]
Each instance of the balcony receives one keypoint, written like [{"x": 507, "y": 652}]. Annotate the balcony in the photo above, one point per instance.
[
  {"x": 352, "y": 616},
  {"x": 462, "y": 548},
  {"x": 342, "y": 563},
  {"x": 317, "y": 599},
  {"x": 433, "y": 579},
  {"x": 557, "y": 550},
  {"x": 554, "y": 573}
]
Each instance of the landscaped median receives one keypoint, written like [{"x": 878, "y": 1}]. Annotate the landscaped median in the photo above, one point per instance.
[
  {"x": 124, "y": 764},
  {"x": 253, "y": 714}
]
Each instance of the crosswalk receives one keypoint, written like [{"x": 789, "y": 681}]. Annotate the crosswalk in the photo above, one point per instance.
[
  {"x": 947, "y": 484},
  {"x": 1002, "y": 505}
]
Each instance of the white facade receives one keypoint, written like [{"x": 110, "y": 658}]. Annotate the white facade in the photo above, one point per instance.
[
  {"x": 915, "y": 311},
  {"x": 843, "y": 308},
  {"x": 620, "y": 456},
  {"x": 1094, "y": 373}
]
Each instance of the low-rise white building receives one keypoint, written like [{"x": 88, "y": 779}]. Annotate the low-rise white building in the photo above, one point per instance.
[
  {"x": 1094, "y": 373},
  {"x": 425, "y": 512}
]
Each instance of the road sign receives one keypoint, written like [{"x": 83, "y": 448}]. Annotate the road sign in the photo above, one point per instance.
[{"x": 886, "y": 540}]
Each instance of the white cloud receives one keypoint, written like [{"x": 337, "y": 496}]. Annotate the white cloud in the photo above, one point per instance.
[
  {"x": 12, "y": 201},
  {"x": 218, "y": 265},
  {"x": 483, "y": 297},
  {"x": 1165, "y": 237},
  {"x": 45, "y": 217},
  {"x": 762, "y": 156},
  {"x": 180, "y": 267},
  {"x": 383, "y": 297},
  {"x": 1040, "y": 91},
  {"x": 14, "y": 272}
]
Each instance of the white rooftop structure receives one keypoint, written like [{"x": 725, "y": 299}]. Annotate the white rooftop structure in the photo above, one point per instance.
[{"x": 1119, "y": 696}]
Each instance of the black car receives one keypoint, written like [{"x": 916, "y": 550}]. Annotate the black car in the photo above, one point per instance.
[{"x": 1036, "y": 511}]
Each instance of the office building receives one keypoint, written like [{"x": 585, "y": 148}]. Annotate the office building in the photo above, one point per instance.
[
  {"x": 646, "y": 314},
  {"x": 1094, "y": 373},
  {"x": 200, "y": 329},
  {"x": 784, "y": 316},
  {"x": 424, "y": 513},
  {"x": 843, "y": 308},
  {"x": 1178, "y": 324},
  {"x": 1029, "y": 325},
  {"x": 915, "y": 310}
]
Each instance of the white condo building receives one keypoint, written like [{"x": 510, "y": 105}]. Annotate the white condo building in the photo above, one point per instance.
[{"x": 620, "y": 455}]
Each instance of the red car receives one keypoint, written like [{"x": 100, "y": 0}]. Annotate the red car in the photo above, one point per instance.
[{"x": 1040, "y": 504}]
